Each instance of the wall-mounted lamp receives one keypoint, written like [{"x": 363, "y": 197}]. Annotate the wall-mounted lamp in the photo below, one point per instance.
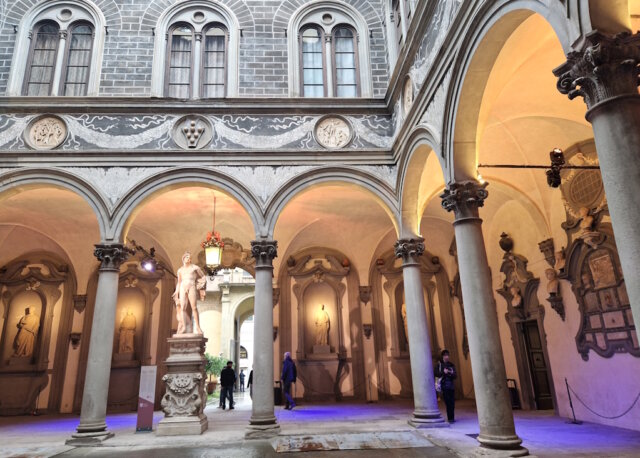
[
  {"x": 148, "y": 261},
  {"x": 74, "y": 338},
  {"x": 367, "y": 328}
]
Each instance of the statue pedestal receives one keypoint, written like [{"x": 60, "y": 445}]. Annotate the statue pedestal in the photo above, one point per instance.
[
  {"x": 321, "y": 349},
  {"x": 185, "y": 396}
]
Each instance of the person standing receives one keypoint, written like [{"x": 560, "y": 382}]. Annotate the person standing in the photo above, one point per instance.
[
  {"x": 227, "y": 380},
  {"x": 250, "y": 383},
  {"x": 288, "y": 377},
  {"x": 242, "y": 376},
  {"x": 447, "y": 371}
]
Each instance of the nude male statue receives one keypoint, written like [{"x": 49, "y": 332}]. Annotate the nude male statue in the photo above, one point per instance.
[{"x": 190, "y": 279}]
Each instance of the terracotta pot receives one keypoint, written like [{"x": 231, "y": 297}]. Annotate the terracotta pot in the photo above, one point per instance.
[{"x": 211, "y": 387}]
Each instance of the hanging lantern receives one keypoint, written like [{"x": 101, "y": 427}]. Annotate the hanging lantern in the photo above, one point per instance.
[{"x": 213, "y": 245}]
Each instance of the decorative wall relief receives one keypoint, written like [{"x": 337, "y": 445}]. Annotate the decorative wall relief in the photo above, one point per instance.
[
  {"x": 333, "y": 132},
  {"x": 407, "y": 95},
  {"x": 553, "y": 258},
  {"x": 46, "y": 132},
  {"x": 592, "y": 264},
  {"x": 192, "y": 132}
]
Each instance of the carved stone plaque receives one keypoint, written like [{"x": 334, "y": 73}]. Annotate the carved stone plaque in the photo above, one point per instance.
[
  {"x": 407, "y": 95},
  {"x": 333, "y": 132},
  {"x": 46, "y": 132},
  {"x": 192, "y": 132}
]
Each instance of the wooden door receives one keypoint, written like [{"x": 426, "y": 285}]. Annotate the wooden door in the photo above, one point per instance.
[{"x": 537, "y": 366}]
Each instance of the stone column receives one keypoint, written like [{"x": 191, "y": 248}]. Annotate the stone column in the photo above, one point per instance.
[
  {"x": 263, "y": 421},
  {"x": 197, "y": 63},
  {"x": 425, "y": 403},
  {"x": 92, "y": 429},
  {"x": 604, "y": 71},
  {"x": 497, "y": 430},
  {"x": 56, "y": 86}
]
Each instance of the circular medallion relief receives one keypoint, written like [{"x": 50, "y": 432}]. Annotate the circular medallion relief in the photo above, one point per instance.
[
  {"x": 198, "y": 17},
  {"x": 46, "y": 132},
  {"x": 192, "y": 132},
  {"x": 333, "y": 132},
  {"x": 407, "y": 95},
  {"x": 65, "y": 15}
]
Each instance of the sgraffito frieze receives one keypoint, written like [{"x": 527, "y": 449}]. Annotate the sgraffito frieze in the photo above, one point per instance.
[{"x": 170, "y": 132}]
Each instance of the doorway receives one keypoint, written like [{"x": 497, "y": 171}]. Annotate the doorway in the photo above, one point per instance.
[{"x": 537, "y": 365}]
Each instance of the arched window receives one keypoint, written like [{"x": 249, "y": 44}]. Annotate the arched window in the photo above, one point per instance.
[
  {"x": 214, "y": 62},
  {"x": 331, "y": 44},
  {"x": 196, "y": 56},
  {"x": 58, "y": 51},
  {"x": 42, "y": 59},
  {"x": 345, "y": 60},
  {"x": 179, "y": 62},
  {"x": 77, "y": 59},
  {"x": 313, "y": 59}
]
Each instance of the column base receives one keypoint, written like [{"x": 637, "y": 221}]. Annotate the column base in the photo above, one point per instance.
[
  {"x": 182, "y": 426},
  {"x": 497, "y": 453},
  {"x": 500, "y": 446},
  {"x": 428, "y": 420},
  {"x": 262, "y": 428},
  {"x": 92, "y": 439}
]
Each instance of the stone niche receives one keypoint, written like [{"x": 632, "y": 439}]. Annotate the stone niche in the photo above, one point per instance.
[
  {"x": 327, "y": 343},
  {"x": 29, "y": 294},
  {"x": 131, "y": 343}
]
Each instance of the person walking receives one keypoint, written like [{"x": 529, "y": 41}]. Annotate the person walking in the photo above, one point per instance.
[
  {"x": 227, "y": 380},
  {"x": 447, "y": 371},
  {"x": 250, "y": 383},
  {"x": 241, "y": 376},
  {"x": 288, "y": 377}
]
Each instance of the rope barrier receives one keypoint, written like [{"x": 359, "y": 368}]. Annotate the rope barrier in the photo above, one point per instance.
[{"x": 607, "y": 417}]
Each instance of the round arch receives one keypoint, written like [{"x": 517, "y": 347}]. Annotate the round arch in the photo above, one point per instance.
[
  {"x": 131, "y": 203},
  {"x": 379, "y": 190},
  {"x": 20, "y": 180},
  {"x": 493, "y": 26},
  {"x": 422, "y": 145}
]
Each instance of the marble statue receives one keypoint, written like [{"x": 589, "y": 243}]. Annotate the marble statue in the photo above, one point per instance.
[
  {"x": 322, "y": 327},
  {"x": 586, "y": 220},
  {"x": 25, "y": 340},
  {"x": 191, "y": 280},
  {"x": 126, "y": 342},
  {"x": 516, "y": 298},
  {"x": 403, "y": 312},
  {"x": 553, "y": 286}
]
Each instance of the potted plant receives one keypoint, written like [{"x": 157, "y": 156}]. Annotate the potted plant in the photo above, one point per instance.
[{"x": 213, "y": 368}]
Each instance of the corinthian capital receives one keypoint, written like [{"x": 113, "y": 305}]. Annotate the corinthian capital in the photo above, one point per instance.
[
  {"x": 409, "y": 250},
  {"x": 264, "y": 251},
  {"x": 464, "y": 198},
  {"x": 111, "y": 256},
  {"x": 605, "y": 67}
]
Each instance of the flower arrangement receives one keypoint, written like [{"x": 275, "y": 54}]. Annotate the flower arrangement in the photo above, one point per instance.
[{"x": 213, "y": 239}]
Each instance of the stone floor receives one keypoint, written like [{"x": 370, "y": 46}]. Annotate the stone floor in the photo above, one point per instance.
[{"x": 318, "y": 430}]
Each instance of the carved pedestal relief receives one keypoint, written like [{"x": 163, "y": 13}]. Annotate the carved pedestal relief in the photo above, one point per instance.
[
  {"x": 525, "y": 317},
  {"x": 592, "y": 264}
]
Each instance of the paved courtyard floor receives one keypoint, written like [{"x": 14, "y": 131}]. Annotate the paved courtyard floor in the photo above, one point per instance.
[{"x": 333, "y": 430}]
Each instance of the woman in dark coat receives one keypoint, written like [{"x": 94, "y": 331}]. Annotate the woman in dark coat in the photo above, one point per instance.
[{"x": 447, "y": 371}]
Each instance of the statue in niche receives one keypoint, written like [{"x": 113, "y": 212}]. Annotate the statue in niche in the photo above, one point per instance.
[
  {"x": 553, "y": 286},
  {"x": 403, "y": 312},
  {"x": 322, "y": 327},
  {"x": 587, "y": 233},
  {"x": 127, "y": 333},
  {"x": 191, "y": 281},
  {"x": 24, "y": 342},
  {"x": 516, "y": 298}
]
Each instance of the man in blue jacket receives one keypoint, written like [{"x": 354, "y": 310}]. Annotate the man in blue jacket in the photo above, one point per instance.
[{"x": 288, "y": 377}]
